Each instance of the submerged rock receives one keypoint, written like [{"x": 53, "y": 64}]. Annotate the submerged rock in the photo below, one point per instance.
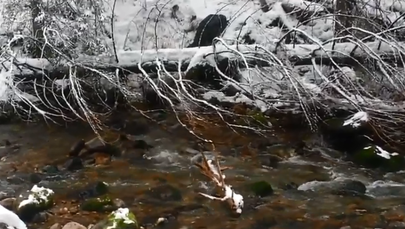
[
  {"x": 96, "y": 145},
  {"x": 165, "y": 192},
  {"x": 77, "y": 148},
  {"x": 39, "y": 199},
  {"x": 94, "y": 190},
  {"x": 73, "y": 164},
  {"x": 338, "y": 186},
  {"x": 8, "y": 203},
  {"x": 374, "y": 156},
  {"x": 350, "y": 187},
  {"x": 262, "y": 188},
  {"x": 50, "y": 169}
]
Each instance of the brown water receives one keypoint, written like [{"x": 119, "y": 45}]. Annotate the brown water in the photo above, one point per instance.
[{"x": 131, "y": 179}]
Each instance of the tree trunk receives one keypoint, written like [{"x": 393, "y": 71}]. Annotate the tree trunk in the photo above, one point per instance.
[{"x": 344, "y": 9}]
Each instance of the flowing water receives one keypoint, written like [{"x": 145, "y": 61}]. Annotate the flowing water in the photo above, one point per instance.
[{"x": 303, "y": 185}]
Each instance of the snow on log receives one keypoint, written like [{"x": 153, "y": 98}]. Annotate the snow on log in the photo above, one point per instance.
[{"x": 301, "y": 54}]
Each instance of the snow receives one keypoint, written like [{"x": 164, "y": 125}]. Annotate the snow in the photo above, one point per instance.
[
  {"x": 382, "y": 153},
  {"x": 357, "y": 119},
  {"x": 38, "y": 195},
  {"x": 11, "y": 219},
  {"x": 121, "y": 215},
  {"x": 134, "y": 32}
]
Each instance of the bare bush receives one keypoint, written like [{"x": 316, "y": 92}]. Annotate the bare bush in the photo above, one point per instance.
[{"x": 292, "y": 69}]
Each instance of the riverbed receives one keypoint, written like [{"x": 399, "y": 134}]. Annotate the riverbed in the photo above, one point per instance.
[{"x": 312, "y": 187}]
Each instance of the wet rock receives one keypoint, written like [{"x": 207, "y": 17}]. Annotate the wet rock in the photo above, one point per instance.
[
  {"x": 73, "y": 164},
  {"x": 40, "y": 217},
  {"x": 73, "y": 225},
  {"x": 165, "y": 192},
  {"x": 338, "y": 187},
  {"x": 346, "y": 138},
  {"x": 96, "y": 145},
  {"x": 100, "y": 204},
  {"x": 93, "y": 190},
  {"x": 374, "y": 156},
  {"x": 261, "y": 188},
  {"x": 77, "y": 148},
  {"x": 15, "y": 179},
  {"x": 350, "y": 187},
  {"x": 8, "y": 203},
  {"x": 122, "y": 218},
  {"x": 38, "y": 200},
  {"x": 4, "y": 195},
  {"x": 289, "y": 186},
  {"x": 35, "y": 178},
  {"x": 50, "y": 169},
  {"x": 56, "y": 226},
  {"x": 269, "y": 160},
  {"x": 24, "y": 178},
  {"x": 141, "y": 144}
]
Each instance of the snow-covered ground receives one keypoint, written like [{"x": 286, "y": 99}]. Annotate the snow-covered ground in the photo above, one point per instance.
[
  {"x": 147, "y": 24},
  {"x": 138, "y": 22}
]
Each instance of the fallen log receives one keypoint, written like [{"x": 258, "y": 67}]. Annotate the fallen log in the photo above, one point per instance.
[{"x": 149, "y": 60}]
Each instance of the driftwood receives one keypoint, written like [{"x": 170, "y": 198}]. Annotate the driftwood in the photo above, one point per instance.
[{"x": 137, "y": 61}]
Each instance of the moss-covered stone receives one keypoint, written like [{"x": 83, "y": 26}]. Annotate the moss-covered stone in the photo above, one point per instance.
[
  {"x": 100, "y": 204},
  {"x": 262, "y": 188},
  {"x": 122, "y": 218},
  {"x": 376, "y": 157}
]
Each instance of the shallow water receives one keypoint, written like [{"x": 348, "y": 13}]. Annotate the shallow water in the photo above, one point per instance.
[{"x": 302, "y": 184}]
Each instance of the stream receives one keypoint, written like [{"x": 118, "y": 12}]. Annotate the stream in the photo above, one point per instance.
[{"x": 311, "y": 189}]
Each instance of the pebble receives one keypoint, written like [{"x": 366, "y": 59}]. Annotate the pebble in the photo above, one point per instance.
[{"x": 73, "y": 225}]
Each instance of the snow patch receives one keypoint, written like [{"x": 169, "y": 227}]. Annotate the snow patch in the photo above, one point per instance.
[
  {"x": 357, "y": 119},
  {"x": 121, "y": 216},
  {"x": 38, "y": 195},
  {"x": 382, "y": 153},
  {"x": 11, "y": 219}
]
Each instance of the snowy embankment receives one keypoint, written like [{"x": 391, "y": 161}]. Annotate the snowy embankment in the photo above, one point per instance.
[{"x": 146, "y": 34}]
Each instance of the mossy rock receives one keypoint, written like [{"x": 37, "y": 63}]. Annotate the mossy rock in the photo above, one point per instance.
[
  {"x": 261, "y": 188},
  {"x": 335, "y": 125},
  {"x": 100, "y": 204},
  {"x": 122, "y": 218},
  {"x": 375, "y": 157},
  {"x": 345, "y": 138}
]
